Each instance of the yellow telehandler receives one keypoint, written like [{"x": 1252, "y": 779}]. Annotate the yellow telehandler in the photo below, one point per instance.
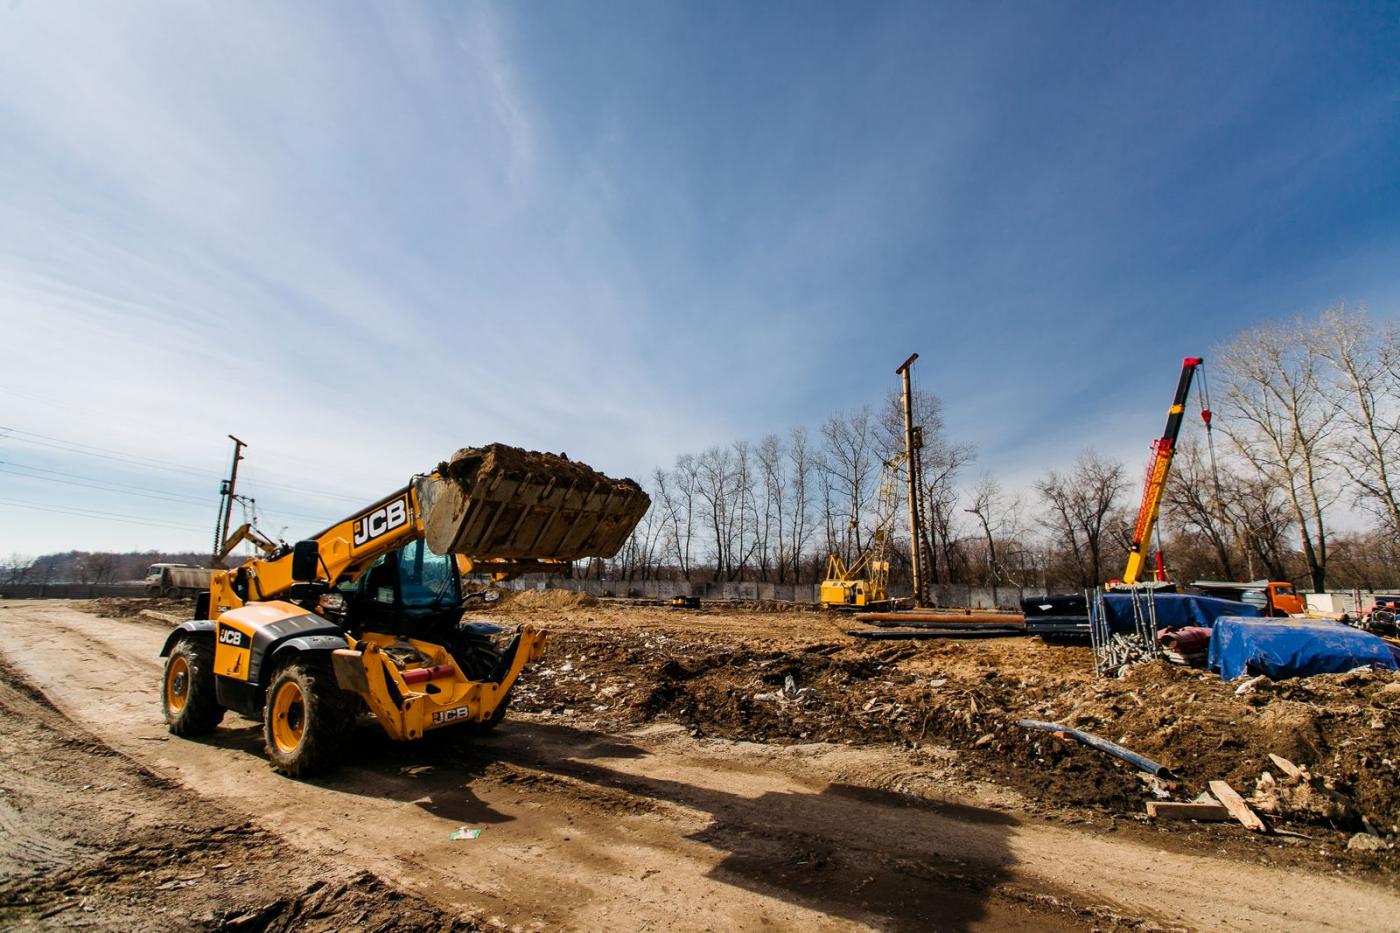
[{"x": 367, "y": 614}]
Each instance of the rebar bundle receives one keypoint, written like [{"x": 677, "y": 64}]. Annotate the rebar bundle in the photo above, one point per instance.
[{"x": 1114, "y": 651}]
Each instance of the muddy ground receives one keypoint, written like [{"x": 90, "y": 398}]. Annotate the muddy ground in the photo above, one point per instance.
[
  {"x": 654, "y": 775},
  {"x": 95, "y": 839},
  {"x": 722, "y": 672}
]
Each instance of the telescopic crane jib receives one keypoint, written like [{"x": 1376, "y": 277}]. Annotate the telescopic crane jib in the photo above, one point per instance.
[{"x": 1163, "y": 450}]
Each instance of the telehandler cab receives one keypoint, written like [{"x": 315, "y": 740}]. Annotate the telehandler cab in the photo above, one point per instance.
[{"x": 367, "y": 614}]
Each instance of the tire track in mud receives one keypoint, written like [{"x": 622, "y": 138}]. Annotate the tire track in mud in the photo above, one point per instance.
[
  {"x": 89, "y": 837},
  {"x": 566, "y": 849},
  {"x": 585, "y": 829}
]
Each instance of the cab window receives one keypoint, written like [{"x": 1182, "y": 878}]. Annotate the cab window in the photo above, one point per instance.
[{"x": 425, "y": 578}]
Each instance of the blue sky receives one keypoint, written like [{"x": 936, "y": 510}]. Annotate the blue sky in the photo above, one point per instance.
[{"x": 362, "y": 235}]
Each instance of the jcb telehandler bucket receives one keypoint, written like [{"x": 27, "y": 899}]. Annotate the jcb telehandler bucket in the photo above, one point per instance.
[{"x": 505, "y": 503}]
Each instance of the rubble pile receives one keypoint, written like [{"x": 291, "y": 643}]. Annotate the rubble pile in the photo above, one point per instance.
[{"x": 1341, "y": 728}]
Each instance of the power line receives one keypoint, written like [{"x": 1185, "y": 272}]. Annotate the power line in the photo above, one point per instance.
[
  {"x": 73, "y": 479},
  {"x": 107, "y": 453},
  {"x": 129, "y": 490},
  {"x": 93, "y": 513}
]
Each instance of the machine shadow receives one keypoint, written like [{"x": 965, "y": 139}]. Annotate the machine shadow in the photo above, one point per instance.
[
  {"x": 434, "y": 773},
  {"x": 861, "y": 853},
  {"x": 865, "y": 854}
]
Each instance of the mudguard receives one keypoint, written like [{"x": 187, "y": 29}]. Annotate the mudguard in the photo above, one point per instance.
[
  {"x": 308, "y": 643},
  {"x": 192, "y": 627}
]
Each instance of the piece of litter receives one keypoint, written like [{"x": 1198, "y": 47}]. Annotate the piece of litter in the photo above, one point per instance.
[
  {"x": 417, "y": 770},
  {"x": 465, "y": 833}
]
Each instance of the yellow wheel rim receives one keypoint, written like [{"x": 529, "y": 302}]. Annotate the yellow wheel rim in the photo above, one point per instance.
[
  {"x": 177, "y": 683},
  {"x": 288, "y": 717}
]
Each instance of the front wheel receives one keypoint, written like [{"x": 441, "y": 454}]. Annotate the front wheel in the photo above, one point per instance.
[
  {"x": 306, "y": 719},
  {"x": 187, "y": 697}
]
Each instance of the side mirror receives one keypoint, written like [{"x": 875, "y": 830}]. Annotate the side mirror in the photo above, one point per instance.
[{"x": 306, "y": 560}]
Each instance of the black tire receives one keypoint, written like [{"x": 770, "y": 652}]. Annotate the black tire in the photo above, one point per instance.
[
  {"x": 307, "y": 718},
  {"x": 477, "y": 656},
  {"x": 187, "y": 688}
]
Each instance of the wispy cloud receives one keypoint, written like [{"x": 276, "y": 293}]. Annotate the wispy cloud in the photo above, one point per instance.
[{"x": 361, "y": 236}]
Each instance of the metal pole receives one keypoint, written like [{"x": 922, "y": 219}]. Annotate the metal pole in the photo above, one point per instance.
[
  {"x": 912, "y": 461},
  {"x": 221, "y": 528}
]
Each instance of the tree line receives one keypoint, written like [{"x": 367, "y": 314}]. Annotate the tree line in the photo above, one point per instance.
[
  {"x": 1300, "y": 482},
  {"x": 1307, "y": 441},
  {"x": 90, "y": 566}
]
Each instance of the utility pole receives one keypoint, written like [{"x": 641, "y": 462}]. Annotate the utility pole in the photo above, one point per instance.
[
  {"x": 913, "y": 440},
  {"x": 226, "y": 491}
]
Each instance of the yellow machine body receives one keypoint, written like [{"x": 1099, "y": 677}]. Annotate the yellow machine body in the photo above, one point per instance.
[{"x": 277, "y": 628}]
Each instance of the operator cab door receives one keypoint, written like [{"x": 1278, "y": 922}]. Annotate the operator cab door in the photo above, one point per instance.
[{"x": 409, "y": 592}]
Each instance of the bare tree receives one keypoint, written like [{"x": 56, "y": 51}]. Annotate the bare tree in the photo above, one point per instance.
[
  {"x": 717, "y": 480},
  {"x": 771, "y": 549},
  {"x": 676, "y": 492},
  {"x": 1193, "y": 500},
  {"x": 639, "y": 554},
  {"x": 940, "y": 462},
  {"x": 1079, "y": 505},
  {"x": 746, "y": 541},
  {"x": 801, "y": 461},
  {"x": 996, "y": 517},
  {"x": 1281, "y": 420},
  {"x": 1263, "y": 520},
  {"x": 850, "y": 459},
  {"x": 17, "y": 568},
  {"x": 1366, "y": 363}
]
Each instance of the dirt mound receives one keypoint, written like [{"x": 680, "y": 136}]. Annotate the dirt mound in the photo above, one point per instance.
[
  {"x": 127, "y": 607},
  {"x": 546, "y": 599},
  {"x": 968, "y": 696}
]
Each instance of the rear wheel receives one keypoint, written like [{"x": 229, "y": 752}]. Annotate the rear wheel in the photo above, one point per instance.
[
  {"x": 306, "y": 719},
  {"x": 187, "y": 694}
]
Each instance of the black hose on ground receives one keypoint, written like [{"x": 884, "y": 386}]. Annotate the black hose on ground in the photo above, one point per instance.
[{"x": 1103, "y": 745}]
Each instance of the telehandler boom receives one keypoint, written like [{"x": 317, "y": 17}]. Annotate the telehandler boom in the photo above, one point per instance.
[{"x": 367, "y": 614}]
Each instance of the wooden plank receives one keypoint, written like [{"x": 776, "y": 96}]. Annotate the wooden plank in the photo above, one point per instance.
[
  {"x": 1236, "y": 805},
  {"x": 1286, "y": 766},
  {"x": 1171, "y": 810}
]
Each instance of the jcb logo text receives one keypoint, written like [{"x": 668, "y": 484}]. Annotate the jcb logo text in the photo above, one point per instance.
[
  {"x": 381, "y": 521},
  {"x": 231, "y": 636}
]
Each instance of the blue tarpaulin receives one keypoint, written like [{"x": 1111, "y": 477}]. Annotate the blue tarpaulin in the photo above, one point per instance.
[
  {"x": 1174, "y": 610},
  {"x": 1295, "y": 648}
]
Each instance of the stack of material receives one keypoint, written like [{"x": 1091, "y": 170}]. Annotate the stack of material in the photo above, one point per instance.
[
  {"x": 1295, "y": 648},
  {"x": 939, "y": 623},
  {"x": 1185, "y": 646}
]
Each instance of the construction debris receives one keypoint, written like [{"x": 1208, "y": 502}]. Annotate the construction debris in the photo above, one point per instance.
[
  {"x": 1103, "y": 745},
  {"x": 1173, "y": 810},
  {"x": 940, "y": 632},
  {"x": 1365, "y": 842},
  {"x": 1237, "y": 807}
]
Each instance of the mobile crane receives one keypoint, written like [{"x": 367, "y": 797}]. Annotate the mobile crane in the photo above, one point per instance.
[
  {"x": 367, "y": 613},
  {"x": 1163, "y": 450}
]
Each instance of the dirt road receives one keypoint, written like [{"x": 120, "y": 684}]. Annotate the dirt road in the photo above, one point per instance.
[{"x": 650, "y": 829}]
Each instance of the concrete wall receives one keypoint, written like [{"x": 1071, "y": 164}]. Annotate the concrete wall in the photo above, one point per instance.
[
  {"x": 69, "y": 590},
  {"x": 1346, "y": 601},
  {"x": 975, "y": 597}
]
